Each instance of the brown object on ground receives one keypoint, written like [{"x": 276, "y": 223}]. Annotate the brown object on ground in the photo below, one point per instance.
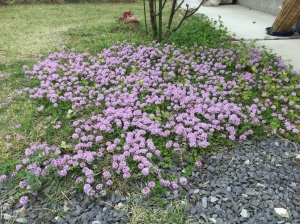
[
  {"x": 287, "y": 17},
  {"x": 3, "y": 2},
  {"x": 132, "y": 21}
]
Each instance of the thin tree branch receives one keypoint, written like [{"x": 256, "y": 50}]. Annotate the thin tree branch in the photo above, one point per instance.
[
  {"x": 172, "y": 14},
  {"x": 161, "y": 8},
  {"x": 188, "y": 13},
  {"x": 179, "y": 5}
]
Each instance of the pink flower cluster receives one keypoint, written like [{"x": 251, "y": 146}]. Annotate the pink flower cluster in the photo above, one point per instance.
[{"x": 134, "y": 102}]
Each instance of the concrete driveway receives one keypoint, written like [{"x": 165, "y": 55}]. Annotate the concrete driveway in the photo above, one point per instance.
[{"x": 249, "y": 24}]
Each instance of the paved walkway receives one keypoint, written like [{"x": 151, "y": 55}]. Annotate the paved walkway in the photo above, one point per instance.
[{"x": 250, "y": 24}]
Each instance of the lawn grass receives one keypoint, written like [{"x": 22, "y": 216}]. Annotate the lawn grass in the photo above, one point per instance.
[
  {"x": 28, "y": 30},
  {"x": 91, "y": 28}
]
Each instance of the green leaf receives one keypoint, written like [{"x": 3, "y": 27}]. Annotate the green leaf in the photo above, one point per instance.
[
  {"x": 64, "y": 145},
  {"x": 69, "y": 114},
  {"x": 84, "y": 90}
]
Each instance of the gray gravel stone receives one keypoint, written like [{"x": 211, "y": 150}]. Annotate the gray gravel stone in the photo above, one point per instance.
[
  {"x": 213, "y": 199},
  {"x": 21, "y": 220},
  {"x": 204, "y": 202},
  {"x": 7, "y": 216},
  {"x": 295, "y": 214},
  {"x": 74, "y": 221},
  {"x": 77, "y": 212},
  {"x": 220, "y": 191},
  {"x": 219, "y": 221},
  {"x": 193, "y": 210}
]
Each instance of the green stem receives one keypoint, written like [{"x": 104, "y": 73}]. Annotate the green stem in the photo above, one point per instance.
[
  {"x": 160, "y": 21},
  {"x": 144, "y": 2}
]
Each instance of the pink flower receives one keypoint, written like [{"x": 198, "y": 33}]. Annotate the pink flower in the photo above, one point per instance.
[
  {"x": 2, "y": 177},
  {"x": 40, "y": 108},
  {"x": 174, "y": 185},
  {"x": 146, "y": 190},
  {"x": 79, "y": 180},
  {"x": 126, "y": 175},
  {"x": 199, "y": 163},
  {"x": 151, "y": 184},
  {"x": 183, "y": 180},
  {"x": 19, "y": 166},
  {"x": 23, "y": 184},
  {"x": 106, "y": 174},
  {"x": 23, "y": 200},
  {"x": 109, "y": 182},
  {"x": 20, "y": 137},
  {"x": 99, "y": 186},
  {"x": 145, "y": 171}
]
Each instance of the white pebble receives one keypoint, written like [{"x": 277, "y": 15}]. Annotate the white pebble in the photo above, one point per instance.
[
  {"x": 213, "y": 199},
  {"x": 96, "y": 222},
  {"x": 204, "y": 202},
  {"x": 196, "y": 191},
  {"x": 244, "y": 213},
  {"x": 260, "y": 185},
  {"x": 21, "y": 220},
  {"x": 212, "y": 220},
  {"x": 245, "y": 195},
  {"x": 66, "y": 208},
  {"x": 281, "y": 212},
  {"x": 7, "y": 216},
  {"x": 121, "y": 205},
  {"x": 5, "y": 207},
  {"x": 247, "y": 162}
]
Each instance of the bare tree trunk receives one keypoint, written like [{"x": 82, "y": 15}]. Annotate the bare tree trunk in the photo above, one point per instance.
[
  {"x": 172, "y": 13},
  {"x": 175, "y": 7},
  {"x": 153, "y": 17}
]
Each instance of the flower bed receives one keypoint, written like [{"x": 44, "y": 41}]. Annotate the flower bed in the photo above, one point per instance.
[{"x": 131, "y": 105}]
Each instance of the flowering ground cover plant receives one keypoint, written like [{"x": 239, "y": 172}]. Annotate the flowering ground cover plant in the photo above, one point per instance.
[{"x": 132, "y": 106}]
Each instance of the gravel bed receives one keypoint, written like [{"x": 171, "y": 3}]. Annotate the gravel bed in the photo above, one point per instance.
[{"x": 248, "y": 184}]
